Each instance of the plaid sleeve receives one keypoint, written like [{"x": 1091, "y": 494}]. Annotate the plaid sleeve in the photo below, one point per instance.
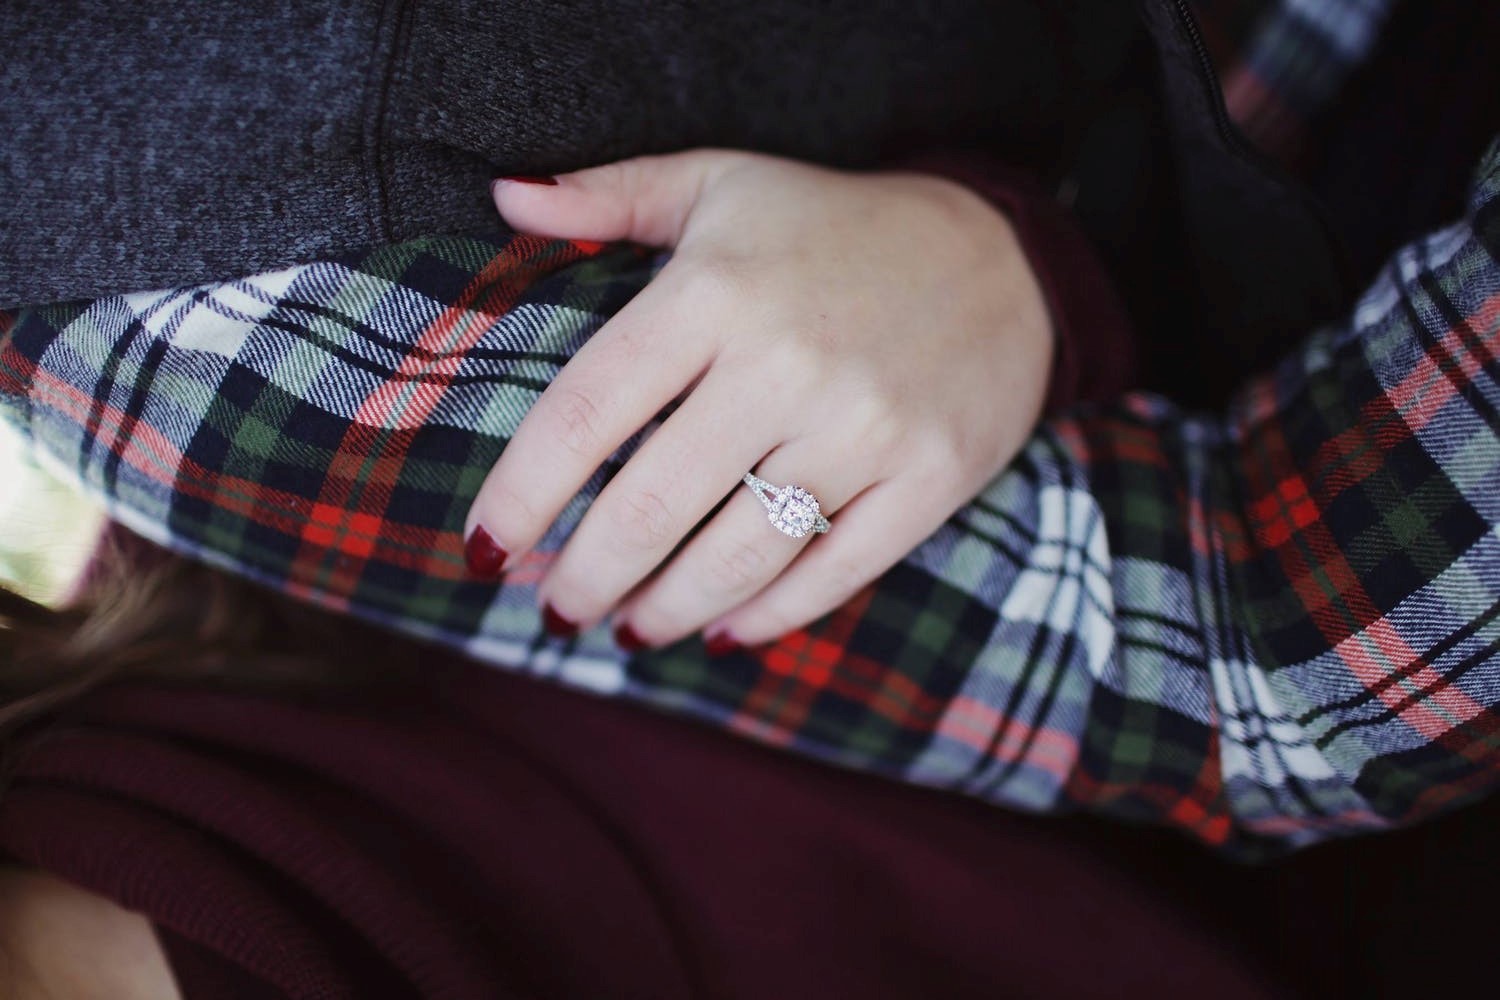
[
  {"x": 1265, "y": 627},
  {"x": 1292, "y": 606},
  {"x": 1282, "y": 62}
]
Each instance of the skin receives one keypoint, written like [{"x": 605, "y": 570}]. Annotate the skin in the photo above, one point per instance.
[
  {"x": 877, "y": 339},
  {"x": 60, "y": 941}
]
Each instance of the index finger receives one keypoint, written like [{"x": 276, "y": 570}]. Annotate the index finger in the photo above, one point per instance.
[{"x": 626, "y": 373}]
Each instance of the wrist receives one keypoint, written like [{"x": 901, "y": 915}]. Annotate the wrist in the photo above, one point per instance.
[{"x": 1093, "y": 354}]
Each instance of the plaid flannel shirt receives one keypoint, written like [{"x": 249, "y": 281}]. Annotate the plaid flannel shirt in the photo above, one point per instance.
[{"x": 1266, "y": 626}]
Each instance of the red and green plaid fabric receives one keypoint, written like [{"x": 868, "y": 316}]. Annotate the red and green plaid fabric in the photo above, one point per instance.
[{"x": 1266, "y": 627}]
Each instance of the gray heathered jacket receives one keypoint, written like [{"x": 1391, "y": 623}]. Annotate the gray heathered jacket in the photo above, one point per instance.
[{"x": 148, "y": 145}]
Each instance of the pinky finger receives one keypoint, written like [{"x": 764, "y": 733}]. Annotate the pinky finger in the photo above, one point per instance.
[{"x": 868, "y": 537}]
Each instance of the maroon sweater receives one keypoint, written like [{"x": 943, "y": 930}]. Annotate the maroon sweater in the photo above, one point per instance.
[{"x": 489, "y": 835}]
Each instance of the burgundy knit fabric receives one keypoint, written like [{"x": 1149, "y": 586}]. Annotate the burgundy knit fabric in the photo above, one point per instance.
[
  {"x": 1094, "y": 350},
  {"x": 488, "y": 835}
]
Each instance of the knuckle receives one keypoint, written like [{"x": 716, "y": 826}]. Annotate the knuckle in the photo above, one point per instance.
[
  {"x": 737, "y": 567},
  {"x": 644, "y": 521},
  {"x": 809, "y": 356},
  {"x": 512, "y": 514},
  {"x": 617, "y": 180},
  {"x": 618, "y": 185},
  {"x": 944, "y": 455},
  {"x": 722, "y": 276},
  {"x": 660, "y": 618},
  {"x": 885, "y": 435},
  {"x": 871, "y": 413},
  {"x": 962, "y": 455},
  {"x": 845, "y": 576},
  {"x": 577, "y": 422},
  {"x": 628, "y": 343},
  {"x": 770, "y": 622},
  {"x": 796, "y": 355},
  {"x": 577, "y": 596}
]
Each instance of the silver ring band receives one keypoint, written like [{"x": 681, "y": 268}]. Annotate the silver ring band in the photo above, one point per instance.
[{"x": 793, "y": 511}]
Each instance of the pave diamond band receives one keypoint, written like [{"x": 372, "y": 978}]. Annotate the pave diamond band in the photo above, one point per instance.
[{"x": 793, "y": 511}]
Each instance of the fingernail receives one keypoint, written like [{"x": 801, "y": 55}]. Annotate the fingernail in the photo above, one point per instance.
[
  {"x": 721, "y": 644},
  {"x": 482, "y": 555},
  {"x": 629, "y": 639},
  {"x": 528, "y": 179},
  {"x": 556, "y": 624}
]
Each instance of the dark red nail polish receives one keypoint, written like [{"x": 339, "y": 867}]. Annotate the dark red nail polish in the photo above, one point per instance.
[
  {"x": 529, "y": 179},
  {"x": 721, "y": 644},
  {"x": 556, "y": 624},
  {"x": 482, "y": 555},
  {"x": 629, "y": 639}
]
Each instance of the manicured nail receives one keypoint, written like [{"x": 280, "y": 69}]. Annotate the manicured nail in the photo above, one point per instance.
[
  {"x": 482, "y": 555},
  {"x": 556, "y": 624},
  {"x": 529, "y": 179},
  {"x": 721, "y": 644},
  {"x": 629, "y": 639}
]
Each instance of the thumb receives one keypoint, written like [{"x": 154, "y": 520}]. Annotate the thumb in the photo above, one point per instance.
[{"x": 646, "y": 199}]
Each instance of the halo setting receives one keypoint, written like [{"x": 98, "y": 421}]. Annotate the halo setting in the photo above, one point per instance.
[{"x": 791, "y": 510}]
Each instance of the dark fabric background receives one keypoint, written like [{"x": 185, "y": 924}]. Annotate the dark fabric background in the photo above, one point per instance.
[{"x": 152, "y": 145}]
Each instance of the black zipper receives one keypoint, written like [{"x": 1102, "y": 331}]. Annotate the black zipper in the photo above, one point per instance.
[
  {"x": 1232, "y": 137},
  {"x": 1210, "y": 77}
]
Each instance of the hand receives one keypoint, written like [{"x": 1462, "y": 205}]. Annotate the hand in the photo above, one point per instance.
[{"x": 878, "y": 339}]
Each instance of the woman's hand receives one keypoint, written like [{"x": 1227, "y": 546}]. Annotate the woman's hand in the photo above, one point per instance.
[{"x": 877, "y": 339}]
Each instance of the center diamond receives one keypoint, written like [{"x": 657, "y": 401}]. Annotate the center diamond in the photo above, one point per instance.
[{"x": 794, "y": 511}]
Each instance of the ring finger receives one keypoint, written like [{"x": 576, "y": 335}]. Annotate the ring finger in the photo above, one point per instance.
[
  {"x": 738, "y": 553},
  {"x": 660, "y": 495}
]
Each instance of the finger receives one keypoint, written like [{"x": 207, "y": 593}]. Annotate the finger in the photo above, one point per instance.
[
  {"x": 586, "y": 413},
  {"x": 738, "y": 552},
  {"x": 645, "y": 200},
  {"x": 685, "y": 469},
  {"x": 873, "y": 533}
]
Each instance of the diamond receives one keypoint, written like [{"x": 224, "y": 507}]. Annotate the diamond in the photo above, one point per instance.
[{"x": 794, "y": 511}]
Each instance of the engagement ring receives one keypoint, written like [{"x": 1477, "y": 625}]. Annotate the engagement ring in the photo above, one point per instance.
[{"x": 793, "y": 511}]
